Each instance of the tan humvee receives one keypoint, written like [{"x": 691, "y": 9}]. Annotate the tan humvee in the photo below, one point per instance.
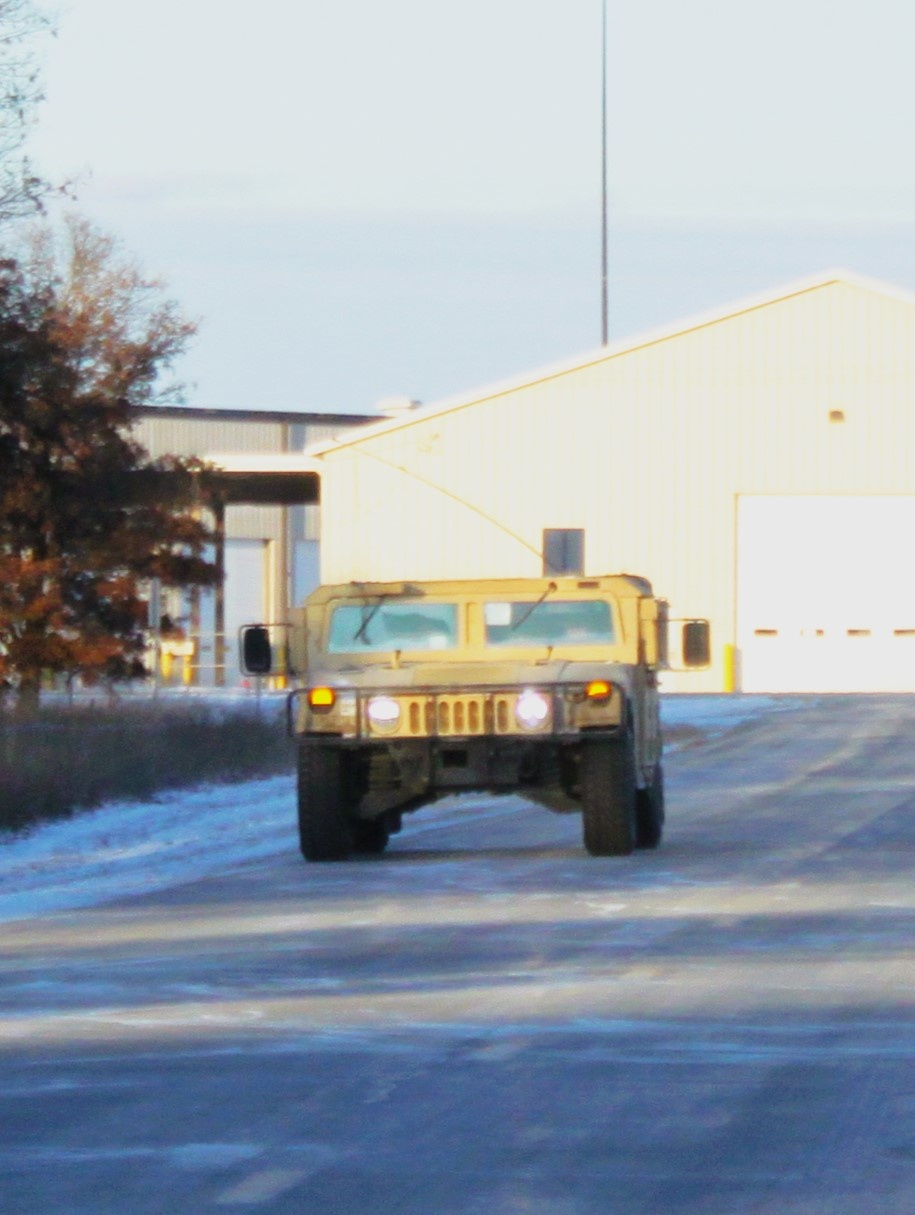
[{"x": 544, "y": 686}]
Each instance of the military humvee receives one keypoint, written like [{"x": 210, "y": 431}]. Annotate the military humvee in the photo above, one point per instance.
[{"x": 544, "y": 686}]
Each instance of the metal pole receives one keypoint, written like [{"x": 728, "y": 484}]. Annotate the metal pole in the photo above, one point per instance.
[
  {"x": 154, "y": 611},
  {"x": 604, "y": 313},
  {"x": 220, "y": 641}
]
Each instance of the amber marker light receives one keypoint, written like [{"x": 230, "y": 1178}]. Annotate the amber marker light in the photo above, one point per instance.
[
  {"x": 598, "y": 689},
  {"x": 321, "y": 698}
]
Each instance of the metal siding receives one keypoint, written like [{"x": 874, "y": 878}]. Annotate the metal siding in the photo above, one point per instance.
[
  {"x": 304, "y": 436},
  {"x": 647, "y": 451},
  {"x": 305, "y": 522},
  {"x": 254, "y": 522},
  {"x": 198, "y": 437},
  {"x": 312, "y": 529}
]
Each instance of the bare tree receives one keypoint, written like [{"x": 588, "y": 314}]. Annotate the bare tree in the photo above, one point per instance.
[
  {"x": 122, "y": 331},
  {"x": 22, "y": 190}
]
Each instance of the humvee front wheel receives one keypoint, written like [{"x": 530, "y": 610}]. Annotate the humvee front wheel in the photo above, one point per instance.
[
  {"x": 649, "y": 811},
  {"x": 325, "y": 829},
  {"x": 370, "y": 835},
  {"x": 608, "y": 799}
]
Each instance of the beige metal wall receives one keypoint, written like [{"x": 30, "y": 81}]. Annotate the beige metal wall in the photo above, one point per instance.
[{"x": 647, "y": 449}]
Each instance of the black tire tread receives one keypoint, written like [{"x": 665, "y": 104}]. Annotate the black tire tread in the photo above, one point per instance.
[
  {"x": 325, "y": 830},
  {"x": 370, "y": 836},
  {"x": 649, "y": 811},
  {"x": 608, "y": 796}
]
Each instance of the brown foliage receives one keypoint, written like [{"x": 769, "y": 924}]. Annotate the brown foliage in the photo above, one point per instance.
[{"x": 85, "y": 515}]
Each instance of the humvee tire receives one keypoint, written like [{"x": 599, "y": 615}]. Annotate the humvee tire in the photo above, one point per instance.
[
  {"x": 325, "y": 829},
  {"x": 649, "y": 811},
  {"x": 608, "y": 796},
  {"x": 370, "y": 835}
]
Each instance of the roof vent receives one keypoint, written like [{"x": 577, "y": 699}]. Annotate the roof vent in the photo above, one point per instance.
[{"x": 396, "y": 407}]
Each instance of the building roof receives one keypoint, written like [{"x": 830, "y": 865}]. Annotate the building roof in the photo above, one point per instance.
[
  {"x": 292, "y": 417},
  {"x": 614, "y": 350},
  {"x": 266, "y": 478},
  {"x": 272, "y": 478}
]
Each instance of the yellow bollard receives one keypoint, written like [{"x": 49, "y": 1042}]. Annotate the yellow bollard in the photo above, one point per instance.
[{"x": 729, "y": 668}]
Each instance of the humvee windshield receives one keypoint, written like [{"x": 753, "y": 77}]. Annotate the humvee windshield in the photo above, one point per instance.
[
  {"x": 553, "y": 622},
  {"x": 394, "y": 625}
]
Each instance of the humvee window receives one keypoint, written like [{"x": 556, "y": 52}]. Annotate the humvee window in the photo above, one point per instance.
[
  {"x": 553, "y": 622},
  {"x": 357, "y": 628}
]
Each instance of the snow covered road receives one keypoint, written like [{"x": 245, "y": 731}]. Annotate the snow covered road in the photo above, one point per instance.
[
  {"x": 484, "y": 1021},
  {"x": 136, "y": 847}
]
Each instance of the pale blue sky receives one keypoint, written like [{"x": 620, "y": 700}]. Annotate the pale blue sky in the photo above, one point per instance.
[{"x": 364, "y": 198}]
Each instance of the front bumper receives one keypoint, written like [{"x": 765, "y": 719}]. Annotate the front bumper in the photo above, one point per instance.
[{"x": 435, "y": 714}]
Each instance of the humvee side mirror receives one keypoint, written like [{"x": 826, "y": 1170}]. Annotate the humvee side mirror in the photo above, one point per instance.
[
  {"x": 697, "y": 643},
  {"x": 256, "y": 650}
]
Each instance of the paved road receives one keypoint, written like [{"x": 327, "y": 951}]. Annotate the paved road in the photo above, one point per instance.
[{"x": 486, "y": 1022}]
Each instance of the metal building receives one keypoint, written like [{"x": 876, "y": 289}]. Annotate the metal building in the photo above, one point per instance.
[
  {"x": 756, "y": 463},
  {"x": 268, "y": 515}
]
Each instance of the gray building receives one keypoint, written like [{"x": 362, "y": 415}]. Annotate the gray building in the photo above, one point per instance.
[{"x": 268, "y": 515}]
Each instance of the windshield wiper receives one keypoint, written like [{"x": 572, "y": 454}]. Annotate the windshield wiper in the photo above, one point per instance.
[
  {"x": 369, "y": 614},
  {"x": 530, "y": 611},
  {"x": 361, "y": 634}
]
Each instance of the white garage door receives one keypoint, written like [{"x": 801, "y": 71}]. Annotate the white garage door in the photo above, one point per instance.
[
  {"x": 246, "y": 588},
  {"x": 245, "y": 585},
  {"x": 826, "y": 594}
]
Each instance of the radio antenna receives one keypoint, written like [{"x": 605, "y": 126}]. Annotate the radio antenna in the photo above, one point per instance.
[{"x": 454, "y": 498}]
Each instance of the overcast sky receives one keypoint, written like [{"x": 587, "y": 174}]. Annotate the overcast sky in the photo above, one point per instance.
[{"x": 366, "y": 198}]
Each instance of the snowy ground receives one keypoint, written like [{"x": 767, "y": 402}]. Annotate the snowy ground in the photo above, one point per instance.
[{"x": 134, "y": 847}]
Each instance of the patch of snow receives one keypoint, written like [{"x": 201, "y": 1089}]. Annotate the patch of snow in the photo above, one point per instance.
[
  {"x": 717, "y": 711},
  {"x": 125, "y": 848}
]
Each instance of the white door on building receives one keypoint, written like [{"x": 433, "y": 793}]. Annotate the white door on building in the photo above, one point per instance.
[
  {"x": 246, "y": 595},
  {"x": 826, "y": 594}
]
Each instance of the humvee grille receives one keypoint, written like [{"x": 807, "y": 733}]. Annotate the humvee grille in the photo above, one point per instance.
[
  {"x": 454, "y": 715},
  {"x": 462, "y": 715}
]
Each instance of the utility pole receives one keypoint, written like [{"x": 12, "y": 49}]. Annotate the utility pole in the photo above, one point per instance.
[{"x": 604, "y": 312}]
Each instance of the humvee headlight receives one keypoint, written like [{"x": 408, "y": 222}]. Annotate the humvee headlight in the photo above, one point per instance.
[
  {"x": 383, "y": 712},
  {"x": 322, "y": 698},
  {"x": 531, "y": 710},
  {"x": 599, "y": 689}
]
